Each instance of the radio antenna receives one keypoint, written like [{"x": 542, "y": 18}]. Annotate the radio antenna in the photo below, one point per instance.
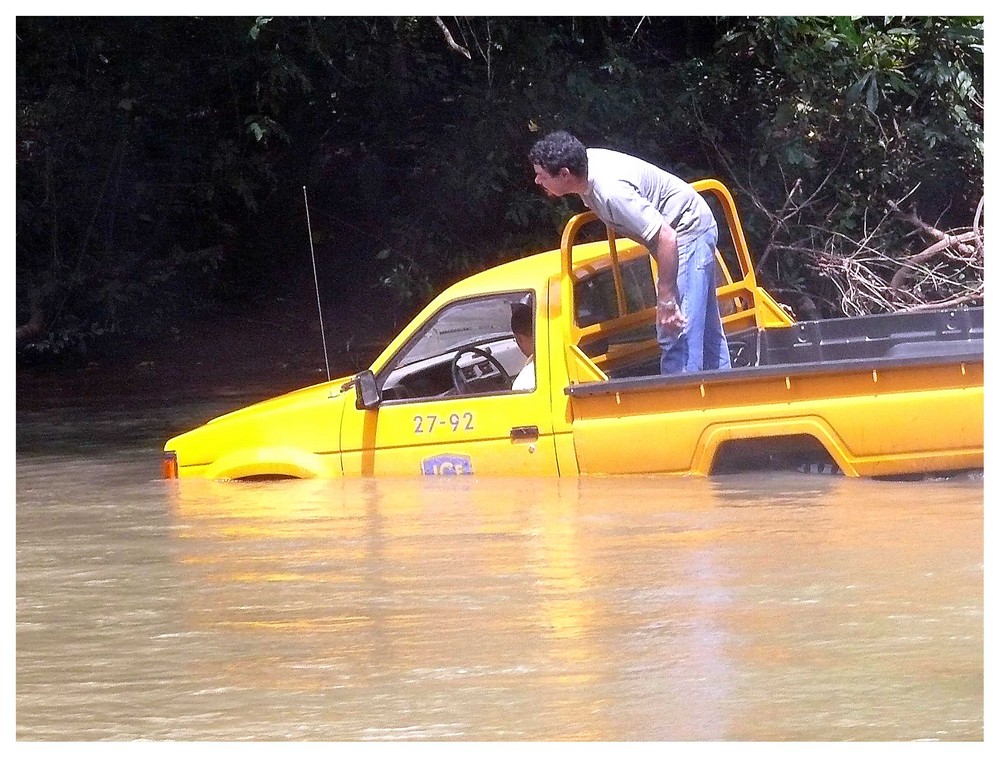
[{"x": 312, "y": 252}]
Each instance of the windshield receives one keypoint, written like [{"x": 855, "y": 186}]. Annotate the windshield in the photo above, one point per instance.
[{"x": 463, "y": 323}]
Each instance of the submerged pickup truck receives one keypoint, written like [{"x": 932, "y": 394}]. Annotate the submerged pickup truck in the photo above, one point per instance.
[{"x": 886, "y": 395}]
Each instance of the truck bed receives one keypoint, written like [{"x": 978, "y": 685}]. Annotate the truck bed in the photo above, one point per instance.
[{"x": 826, "y": 346}]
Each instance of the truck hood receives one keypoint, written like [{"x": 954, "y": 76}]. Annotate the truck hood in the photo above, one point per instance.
[
  {"x": 329, "y": 390},
  {"x": 299, "y": 430}
]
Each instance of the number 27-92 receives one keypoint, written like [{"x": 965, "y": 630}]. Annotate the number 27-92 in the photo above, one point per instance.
[{"x": 454, "y": 422}]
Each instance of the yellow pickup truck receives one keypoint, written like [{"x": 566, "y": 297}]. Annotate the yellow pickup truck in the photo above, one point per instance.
[{"x": 886, "y": 395}]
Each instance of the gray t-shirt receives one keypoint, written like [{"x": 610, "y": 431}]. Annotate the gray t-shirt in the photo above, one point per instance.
[{"x": 635, "y": 198}]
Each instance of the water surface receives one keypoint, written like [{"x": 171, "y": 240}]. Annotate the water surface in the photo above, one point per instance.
[{"x": 777, "y": 606}]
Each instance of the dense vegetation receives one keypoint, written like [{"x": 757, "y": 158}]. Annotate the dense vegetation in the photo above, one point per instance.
[{"x": 161, "y": 161}]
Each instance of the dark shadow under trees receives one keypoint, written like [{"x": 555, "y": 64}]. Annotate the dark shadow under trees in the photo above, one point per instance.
[{"x": 160, "y": 161}]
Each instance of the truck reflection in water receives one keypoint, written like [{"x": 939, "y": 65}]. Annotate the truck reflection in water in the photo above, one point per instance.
[
  {"x": 446, "y": 586},
  {"x": 594, "y": 608}
]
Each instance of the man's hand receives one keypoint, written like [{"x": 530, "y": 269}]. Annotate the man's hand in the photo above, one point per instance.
[
  {"x": 670, "y": 315},
  {"x": 668, "y": 309}
]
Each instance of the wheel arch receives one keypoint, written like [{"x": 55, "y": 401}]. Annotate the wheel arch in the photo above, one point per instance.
[
  {"x": 288, "y": 462},
  {"x": 770, "y": 445}
]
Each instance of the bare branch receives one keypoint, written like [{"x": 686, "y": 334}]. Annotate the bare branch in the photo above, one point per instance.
[
  {"x": 942, "y": 244},
  {"x": 975, "y": 224},
  {"x": 451, "y": 40},
  {"x": 971, "y": 297},
  {"x": 636, "y": 30},
  {"x": 923, "y": 226},
  {"x": 779, "y": 220}
]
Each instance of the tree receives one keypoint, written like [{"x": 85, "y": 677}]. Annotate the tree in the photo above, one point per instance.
[
  {"x": 842, "y": 132},
  {"x": 160, "y": 161}
]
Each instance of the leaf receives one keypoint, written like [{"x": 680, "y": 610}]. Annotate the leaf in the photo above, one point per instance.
[
  {"x": 784, "y": 115},
  {"x": 794, "y": 155},
  {"x": 854, "y": 91},
  {"x": 261, "y": 21},
  {"x": 845, "y": 26},
  {"x": 900, "y": 84},
  {"x": 872, "y": 99}
]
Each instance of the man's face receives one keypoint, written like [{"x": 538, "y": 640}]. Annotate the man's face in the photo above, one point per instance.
[
  {"x": 525, "y": 343},
  {"x": 555, "y": 185}
]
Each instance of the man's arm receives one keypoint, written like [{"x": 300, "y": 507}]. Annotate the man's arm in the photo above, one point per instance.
[{"x": 668, "y": 309}]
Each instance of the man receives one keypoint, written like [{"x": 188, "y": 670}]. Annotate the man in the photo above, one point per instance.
[
  {"x": 645, "y": 203},
  {"x": 524, "y": 334}
]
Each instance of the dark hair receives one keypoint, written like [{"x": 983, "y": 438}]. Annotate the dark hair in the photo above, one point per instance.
[
  {"x": 558, "y": 150},
  {"x": 520, "y": 319}
]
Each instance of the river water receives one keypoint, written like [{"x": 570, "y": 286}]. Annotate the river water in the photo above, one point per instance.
[{"x": 746, "y": 607}]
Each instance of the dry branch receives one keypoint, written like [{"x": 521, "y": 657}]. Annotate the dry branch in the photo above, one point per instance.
[
  {"x": 944, "y": 242},
  {"x": 451, "y": 40},
  {"x": 923, "y": 226}
]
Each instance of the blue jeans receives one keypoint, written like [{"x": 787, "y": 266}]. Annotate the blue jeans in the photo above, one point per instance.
[{"x": 702, "y": 343}]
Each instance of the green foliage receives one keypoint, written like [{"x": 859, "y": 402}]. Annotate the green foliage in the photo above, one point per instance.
[
  {"x": 160, "y": 161},
  {"x": 845, "y": 115}
]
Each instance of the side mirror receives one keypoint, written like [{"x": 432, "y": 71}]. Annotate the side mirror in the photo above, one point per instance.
[{"x": 369, "y": 395}]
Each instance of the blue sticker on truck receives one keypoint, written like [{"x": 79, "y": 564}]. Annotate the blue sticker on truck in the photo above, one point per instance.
[{"x": 446, "y": 465}]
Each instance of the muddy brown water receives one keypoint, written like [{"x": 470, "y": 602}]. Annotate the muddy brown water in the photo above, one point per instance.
[{"x": 762, "y": 606}]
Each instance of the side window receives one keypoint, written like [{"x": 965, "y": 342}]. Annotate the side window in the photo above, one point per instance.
[
  {"x": 725, "y": 246},
  {"x": 619, "y": 348},
  {"x": 728, "y": 264},
  {"x": 637, "y": 281},
  {"x": 595, "y": 296},
  {"x": 468, "y": 347}
]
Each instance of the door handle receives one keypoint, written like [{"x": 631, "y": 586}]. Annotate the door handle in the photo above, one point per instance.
[{"x": 524, "y": 434}]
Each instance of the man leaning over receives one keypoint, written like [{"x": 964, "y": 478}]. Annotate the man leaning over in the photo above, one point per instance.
[{"x": 649, "y": 205}]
